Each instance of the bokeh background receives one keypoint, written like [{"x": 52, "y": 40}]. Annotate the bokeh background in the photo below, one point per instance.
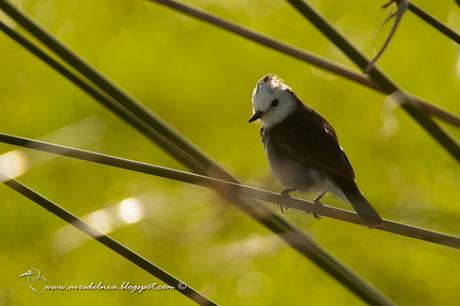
[{"x": 199, "y": 79}]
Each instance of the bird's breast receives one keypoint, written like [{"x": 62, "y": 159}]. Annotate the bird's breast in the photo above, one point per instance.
[{"x": 291, "y": 173}]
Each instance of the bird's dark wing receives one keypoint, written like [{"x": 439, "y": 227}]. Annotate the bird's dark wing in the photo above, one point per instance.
[{"x": 308, "y": 138}]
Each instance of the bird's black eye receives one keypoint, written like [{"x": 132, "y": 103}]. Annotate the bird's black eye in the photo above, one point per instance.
[{"x": 274, "y": 103}]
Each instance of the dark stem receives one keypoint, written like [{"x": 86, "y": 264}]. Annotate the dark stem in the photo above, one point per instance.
[
  {"x": 389, "y": 87},
  {"x": 435, "y": 23},
  {"x": 110, "y": 243},
  {"x": 247, "y": 191}
]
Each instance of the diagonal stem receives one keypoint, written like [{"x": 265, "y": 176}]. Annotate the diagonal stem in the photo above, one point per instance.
[
  {"x": 246, "y": 191},
  {"x": 110, "y": 243},
  {"x": 390, "y": 88},
  {"x": 434, "y": 22}
]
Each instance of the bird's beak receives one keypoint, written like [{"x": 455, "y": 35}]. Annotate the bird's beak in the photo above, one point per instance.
[{"x": 256, "y": 116}]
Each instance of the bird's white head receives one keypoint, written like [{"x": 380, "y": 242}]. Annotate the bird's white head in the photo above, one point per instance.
[{"x": 272, "y": 101}]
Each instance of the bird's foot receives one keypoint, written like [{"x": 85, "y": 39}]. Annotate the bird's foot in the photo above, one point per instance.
[
  {"x": 284, "y": 193},
  {"x": 282, "y": 207},
  {"x": 317, "y": 207}
]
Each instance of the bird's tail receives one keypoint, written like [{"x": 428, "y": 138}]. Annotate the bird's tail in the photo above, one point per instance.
[{"x": 364, "y": 209}]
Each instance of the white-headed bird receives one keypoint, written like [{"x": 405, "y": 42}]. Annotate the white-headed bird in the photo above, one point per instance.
[{"x": 303, "y": 149}]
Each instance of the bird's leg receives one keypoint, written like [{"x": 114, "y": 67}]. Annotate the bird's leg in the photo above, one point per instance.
[
  {"x": 317, "y": 206},
  {"x": 285, "y": 193}
]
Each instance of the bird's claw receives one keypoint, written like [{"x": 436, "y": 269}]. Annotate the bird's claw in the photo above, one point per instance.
[
  {"x": 282, "y": 207},
  {"x": 284, "y": 193},
  {"x": 317, "y": 207}
]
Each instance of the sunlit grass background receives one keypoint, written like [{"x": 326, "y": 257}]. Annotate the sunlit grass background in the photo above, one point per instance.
[{"x": 199, "y": 79}]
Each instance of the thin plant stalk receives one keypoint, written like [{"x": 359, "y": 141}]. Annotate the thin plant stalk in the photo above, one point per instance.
[
  {"x": 434, "y": 22},
  {"x": 107, "y": 241},
  {"x": 244, "y": 190},
  {"x": 390, "y": 87}
]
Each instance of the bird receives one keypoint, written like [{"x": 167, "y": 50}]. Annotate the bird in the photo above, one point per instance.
[{"x": 303, "y": 149}]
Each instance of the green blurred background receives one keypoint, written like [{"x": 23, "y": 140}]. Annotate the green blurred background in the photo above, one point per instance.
[{"x": 199, "y": 79}]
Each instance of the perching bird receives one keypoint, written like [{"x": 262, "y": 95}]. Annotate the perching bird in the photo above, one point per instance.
[{"x": 303, "y": 149}]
